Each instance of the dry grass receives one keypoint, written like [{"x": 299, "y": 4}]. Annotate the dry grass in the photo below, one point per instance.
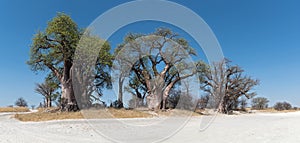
[
  {"x": 107, "y": 113},
  {"x": 115, "y": 113},
  {"x": 272, "y": 110},
  {"x": 40, "y": 116},
  {"x": 14, "y": 109}
]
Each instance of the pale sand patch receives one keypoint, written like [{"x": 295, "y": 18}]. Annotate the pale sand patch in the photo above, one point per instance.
[{"x": 248, "y": 128}]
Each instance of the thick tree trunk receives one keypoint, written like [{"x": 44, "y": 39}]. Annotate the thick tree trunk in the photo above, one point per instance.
[
  {"x": 158, "y": 100},
  {"x": 68, "y": 97},
  {"x": 154, "y": 101},
  {"x": 223, "y": 105},
  {"x": 157, "y": 91},
  {"x": 120, "y": 96}
]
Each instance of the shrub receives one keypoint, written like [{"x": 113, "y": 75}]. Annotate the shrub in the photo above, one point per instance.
[
  {"x": 21, "y": 102},
  {"x": 282, "y": 106}
]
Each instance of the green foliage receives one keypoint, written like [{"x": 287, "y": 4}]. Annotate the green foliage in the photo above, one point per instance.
[{"x": 57, "y": 44}]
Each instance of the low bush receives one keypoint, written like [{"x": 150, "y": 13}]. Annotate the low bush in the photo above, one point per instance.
[{"x": 279, "y": 106}]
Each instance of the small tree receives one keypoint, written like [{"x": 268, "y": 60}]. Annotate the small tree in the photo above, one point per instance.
[
  {"x": 259, "y": 103},
  {"x": 278, "y": 106},
  {"x": 47, "y": 89},
  {"x": 21, "y": 102},
  {"x": 282, "y": 106}
]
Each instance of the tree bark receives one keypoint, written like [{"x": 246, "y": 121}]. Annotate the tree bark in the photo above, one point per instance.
[
  {"x": 68, "y": 98},
  {"x": 48, "y": 102},
  {"x": 120, "y": 95}
]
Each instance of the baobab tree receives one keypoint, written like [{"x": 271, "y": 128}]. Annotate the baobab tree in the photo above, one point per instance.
[
  {"x": 225, "y": 84},
  {"x": 54, "y": 50},
  {"x": 158, "y": 61}
]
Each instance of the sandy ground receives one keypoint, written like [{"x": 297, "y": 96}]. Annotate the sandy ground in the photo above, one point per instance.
[{"x": 258, "y": 128}]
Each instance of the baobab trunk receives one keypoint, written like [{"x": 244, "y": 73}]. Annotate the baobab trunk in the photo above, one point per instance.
[
  {"x": 120, "y": 96},
  {"x": 68, "y": 98},
  {"x": 222, "y": 108}
]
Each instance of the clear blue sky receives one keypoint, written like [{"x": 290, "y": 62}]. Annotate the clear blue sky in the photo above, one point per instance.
[{"x": 262, "y": 36}]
